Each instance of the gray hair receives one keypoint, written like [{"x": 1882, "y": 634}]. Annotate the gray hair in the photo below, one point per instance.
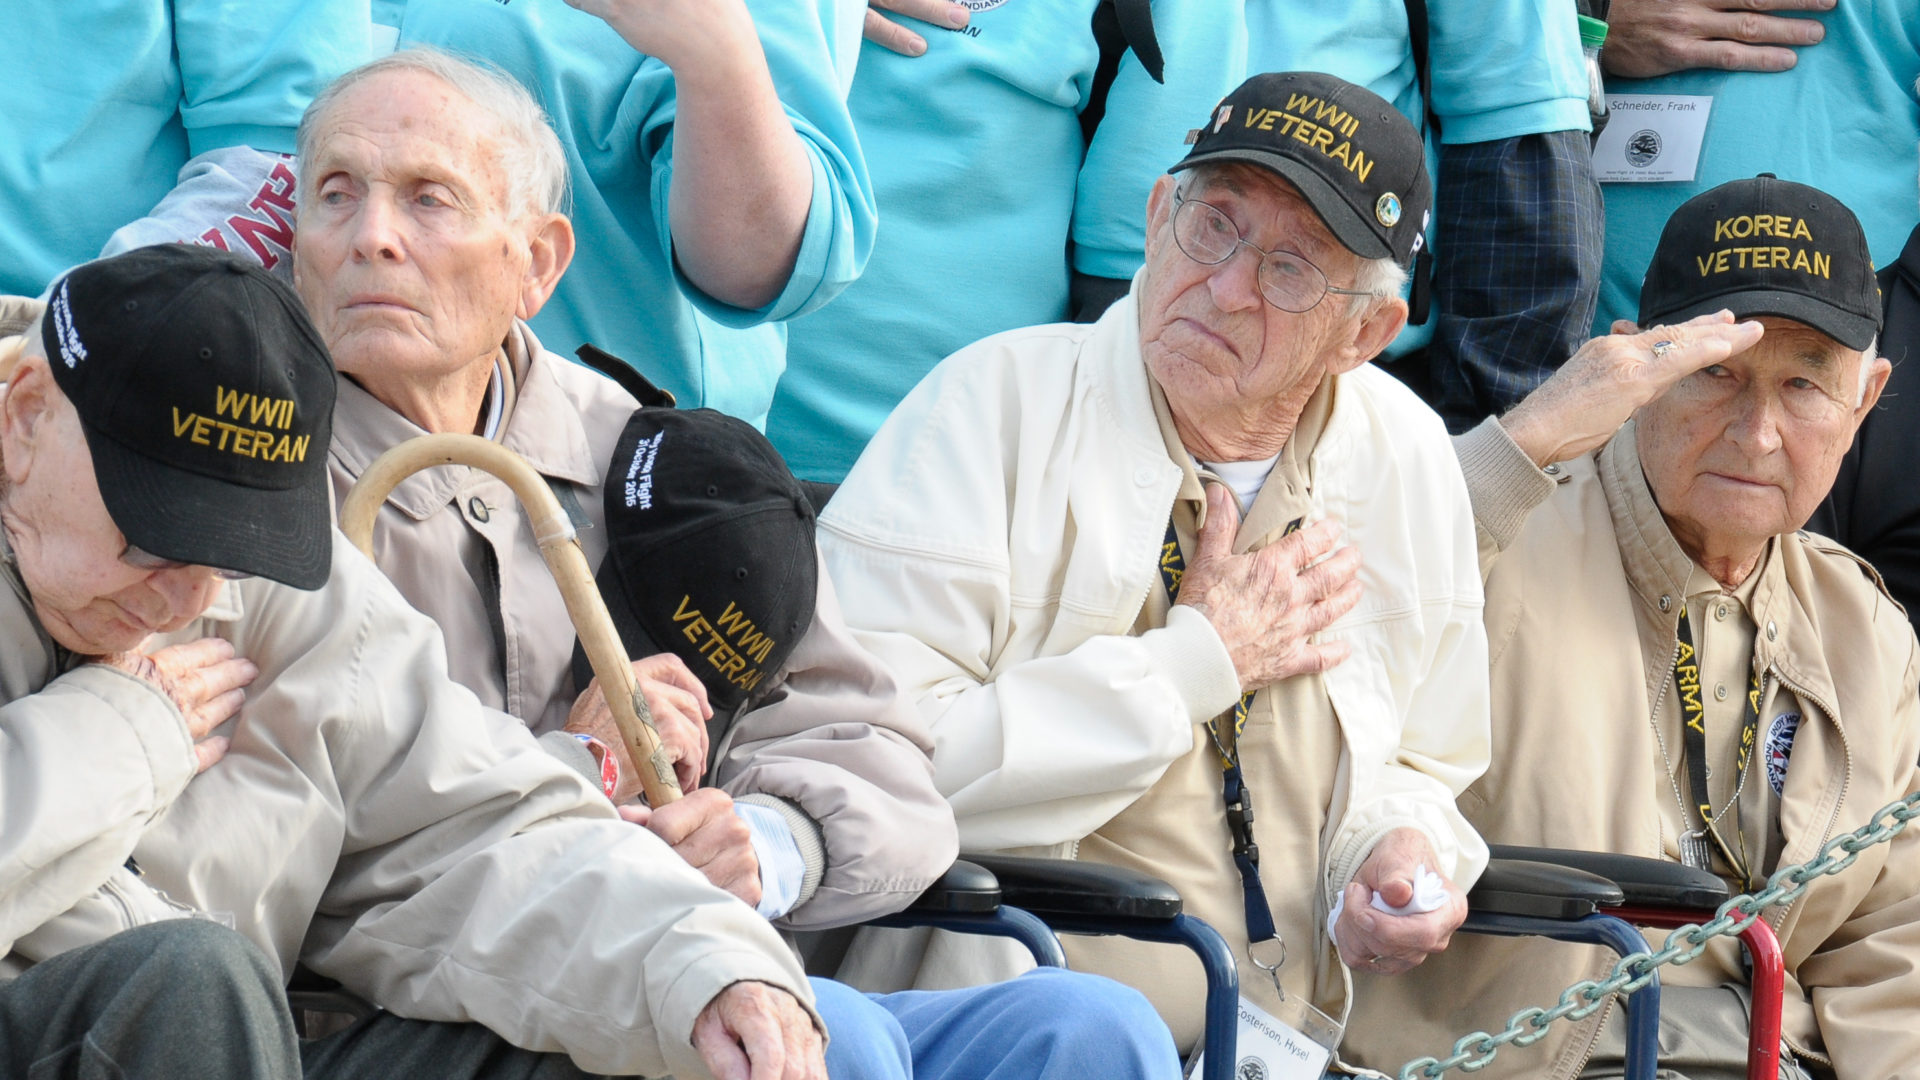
[
  {"x": 532, "y": 160},
  {"x": 1380, "y": 278},
  {"x": 1867, "y": 357}
]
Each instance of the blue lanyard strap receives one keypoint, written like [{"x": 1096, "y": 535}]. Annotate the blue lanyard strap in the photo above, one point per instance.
[{"x": 1233, "y": 786}]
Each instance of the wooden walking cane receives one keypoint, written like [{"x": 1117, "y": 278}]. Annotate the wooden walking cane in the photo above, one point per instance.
[{"x": 555, "y": 535}]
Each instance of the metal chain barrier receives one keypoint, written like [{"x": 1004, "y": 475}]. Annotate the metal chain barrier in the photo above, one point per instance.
[{"x": 1581, "y": 1000}]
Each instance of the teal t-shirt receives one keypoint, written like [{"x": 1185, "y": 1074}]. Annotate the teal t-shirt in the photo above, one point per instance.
[
  {"x": 110, "y": 98},
  {"x": 958, "y": 138},
  {"x": 975, "y": 152},
  {"x": 614, "y": 109},
  {"x": 1843, "y": 119}
]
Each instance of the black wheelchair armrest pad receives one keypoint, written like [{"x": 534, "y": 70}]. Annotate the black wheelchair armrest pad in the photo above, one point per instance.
[
  {"x": 965, "y": 888},
  {"x": 1540, "y": 890},
  {"x": 1643, "y": 882},
  {"x": 1066, "y": 887}
]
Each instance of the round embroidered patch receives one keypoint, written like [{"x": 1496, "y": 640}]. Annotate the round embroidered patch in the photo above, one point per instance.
[
  {"x": 1388, "y": 209},
  {"x": 1779, "y": 748}
]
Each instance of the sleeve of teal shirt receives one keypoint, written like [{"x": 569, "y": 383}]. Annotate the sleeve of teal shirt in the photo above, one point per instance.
[
  {"x": 1504, "y": 68},
  {"x": 806, "y": 45},
  {"x": 248, "y": 68}
]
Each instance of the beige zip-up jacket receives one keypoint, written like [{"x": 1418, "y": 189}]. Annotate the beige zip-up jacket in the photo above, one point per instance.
[
  {"x": 998, "y": 539},
  {"x": 371, "y": 820},
  {"x": 829, "y": 742},
  {"x": 1582, "y": 647}
]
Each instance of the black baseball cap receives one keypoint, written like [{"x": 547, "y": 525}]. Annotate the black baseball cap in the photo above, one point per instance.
[
  {"x": 1356, "y": 159},
  {"x": 1765, "y": 246},
  {"x": 207, "y": 401},
  {"x": 710, "y": 550}
]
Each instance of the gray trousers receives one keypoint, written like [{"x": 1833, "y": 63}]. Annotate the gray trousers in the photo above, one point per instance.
[
  {"x": 192, "y": 1000},
  {"x": 175, "y": 999}
]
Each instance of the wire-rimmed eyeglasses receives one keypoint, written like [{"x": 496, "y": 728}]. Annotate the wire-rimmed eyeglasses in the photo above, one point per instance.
[{"x": 1288, "y": 280}]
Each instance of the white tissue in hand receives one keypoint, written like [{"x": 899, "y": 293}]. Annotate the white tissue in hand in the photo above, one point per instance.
[{"x": 1429, "y": 894}]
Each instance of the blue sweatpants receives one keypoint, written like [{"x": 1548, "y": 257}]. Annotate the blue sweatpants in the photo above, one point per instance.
[{"x": 1048, "y": 1024}]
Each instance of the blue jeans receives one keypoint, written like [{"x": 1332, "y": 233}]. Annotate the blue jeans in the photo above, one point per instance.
[{"x": 1048, "y": 1024}]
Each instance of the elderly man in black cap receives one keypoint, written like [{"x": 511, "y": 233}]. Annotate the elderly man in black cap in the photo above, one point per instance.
[
  {"x": 1679, "y": 673},
  {"x": 193, "y": 743},
  {"x": 1197, "y": 560}
]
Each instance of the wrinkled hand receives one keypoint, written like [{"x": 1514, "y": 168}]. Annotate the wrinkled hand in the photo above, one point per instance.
[
  {"x": 1267, "y": 603},
  {"x": 755, "y": 1031},
  {"x": 895, "y": 37},
  {"x": 1399, "y": 942},
  {"x": 703, "y": 829},
  {"x": 1654, "y": 37},
  {"x": 1600, "y": 386},
  {"x": 678, "y": 700},
  {"x": 204, "y": 679}
]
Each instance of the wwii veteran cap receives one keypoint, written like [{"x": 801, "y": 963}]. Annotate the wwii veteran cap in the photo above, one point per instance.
[
  {"x": 207, "y": 402},
  {"x": 710, "y": 550},
  {"x": 1358, "y": 161},
  {"x": 1765, "y": 246}
]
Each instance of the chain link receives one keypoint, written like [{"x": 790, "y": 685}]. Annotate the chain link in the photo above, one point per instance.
[{"x": 1633, "y": 971}]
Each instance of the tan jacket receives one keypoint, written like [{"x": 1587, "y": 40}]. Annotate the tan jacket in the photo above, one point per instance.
[
  {"x": 1582, "y": 648},
  {"x": 1001, "y": 534},
  {"x": 829, "y": 742},
  {"x": 370, "y": 820}
]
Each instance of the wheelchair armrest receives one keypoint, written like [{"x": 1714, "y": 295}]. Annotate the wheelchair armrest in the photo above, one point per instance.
[
  {"x": 1079, "y": 889},
  {"x": 1540, "y": 890},
  {"x": 1643, "y": 882},
  {"x": 966, "y": 888}
]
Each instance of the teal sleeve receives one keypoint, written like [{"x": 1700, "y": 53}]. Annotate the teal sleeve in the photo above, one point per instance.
[
  {"x": 1505, "y": 68},
  {"x": 803, "y": 43},
  {"x": 248, "y": 68}
]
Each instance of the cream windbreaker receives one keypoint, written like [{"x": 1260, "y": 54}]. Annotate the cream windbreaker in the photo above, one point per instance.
[
  {"x": 371, "y": 820},
  {"x": 999, "y": 536}
]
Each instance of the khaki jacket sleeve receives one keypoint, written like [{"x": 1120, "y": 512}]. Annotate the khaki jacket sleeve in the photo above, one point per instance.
[
  {"x": 85, "y": 765},
  {"x": 479, "y": 879},
  {"x": 1503, "y": 484},
  {"x": 837, "y": 742},
  {"x": 1862, "y": 979}
]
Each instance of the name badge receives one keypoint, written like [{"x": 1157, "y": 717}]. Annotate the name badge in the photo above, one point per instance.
[
  {"x": 1651, "y": 138},
  {"x": 1272, "y": 1049}
]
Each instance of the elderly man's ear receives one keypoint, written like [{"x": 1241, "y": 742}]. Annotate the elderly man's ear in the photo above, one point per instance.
[
  {"x": 1382, "y": 323},
  {"x": 1876, "y": 382},
  {"x": 24, "y": 411},
  {"x": 550, "y": 242}
]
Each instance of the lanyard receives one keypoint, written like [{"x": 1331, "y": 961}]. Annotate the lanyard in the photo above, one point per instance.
[
  {"x": 1233, "y": 786},
  {"x": 1686, "y": 679}
]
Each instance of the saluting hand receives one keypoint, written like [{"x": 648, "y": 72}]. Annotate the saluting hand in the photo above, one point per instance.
[{"x": 1599, "y": 387}]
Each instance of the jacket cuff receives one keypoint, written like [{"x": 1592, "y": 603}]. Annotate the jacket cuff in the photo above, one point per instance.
[
  {"x": 1346, "y": 861},
  {"x": 1187, "y": 652},
  {"x": 161, "y": 731},
  {"x": 807, "y": 836},
  {"x": 1503, "y": 483},
  {"x": 571, "y": 752}
]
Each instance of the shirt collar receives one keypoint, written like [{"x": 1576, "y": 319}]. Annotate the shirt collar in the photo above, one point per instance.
[
  {"x": 538, "y": 422},
  {"x": 1287, "y": 495}
]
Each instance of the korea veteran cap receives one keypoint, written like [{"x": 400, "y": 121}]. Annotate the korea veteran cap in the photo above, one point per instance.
[
  {"x": 1765, "y": 246},
  {"x": 207, "y": 402},
  {"x": 1358, "y": 161},
  {"x": 710, "y": 550}
]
